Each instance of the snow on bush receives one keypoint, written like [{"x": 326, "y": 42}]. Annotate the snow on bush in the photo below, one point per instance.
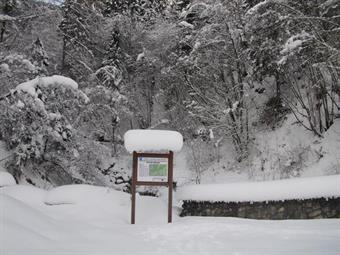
[
  {"x": 4, "y": 18},
  {"x": 293, "y": 44},
  {"x": 31, "y": 87},
  {"x": 110, "y": 76},
  {"x": 6, "y": 179},
  {"x": 141, "y": 140},
  {"x": 36, "y": 123},
  {"x": 186, "y": 24},
  {"x": 299, "y": 188}
]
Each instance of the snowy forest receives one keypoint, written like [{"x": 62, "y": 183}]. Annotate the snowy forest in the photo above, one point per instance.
[{"x": 253, "y": 86}]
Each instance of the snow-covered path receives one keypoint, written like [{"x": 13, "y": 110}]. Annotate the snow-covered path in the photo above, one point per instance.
[{"x": 96, "y": 221}]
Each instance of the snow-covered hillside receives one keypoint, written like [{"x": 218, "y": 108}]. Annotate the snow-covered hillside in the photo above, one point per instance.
[
  {"x": 245, "y": 93},
  {"x": 289, "y": 151},
  {"x": 82, "y": 219}
]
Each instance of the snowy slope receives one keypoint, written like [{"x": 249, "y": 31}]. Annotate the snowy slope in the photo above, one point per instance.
[
  {"x": 99, "y": 224},
  {"x": 289, "y": 151}
]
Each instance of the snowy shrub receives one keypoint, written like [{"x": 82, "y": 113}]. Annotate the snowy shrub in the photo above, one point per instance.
[
  {"x": 120, "y": 180},
  {"x": 31, "y": 122},
  {"x": 109, "y": 76},
  {"x": 101, "y": 118},
  {"x": 39, "y": 121},
  {"x": 274, "y": 112},
  {"x": 14, "y": 69},
  {"x": 200, "y": 157}
]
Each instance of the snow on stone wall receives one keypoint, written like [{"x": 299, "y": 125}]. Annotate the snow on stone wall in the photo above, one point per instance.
[
  {"x": 296, "y": 188},
  {"x": 273, "y": 210}
]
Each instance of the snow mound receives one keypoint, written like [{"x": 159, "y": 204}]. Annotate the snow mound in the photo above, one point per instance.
[
  {"x": 77, "y": 194},
  {"x": 142, "y": 140},
  {"x": 31, "y": 218},
  {"x": 30, "y": 227},
  {"x": 27, "y": 194},
  {"x": 299, "y": 188},
  {"x": 6, "y": 179}
]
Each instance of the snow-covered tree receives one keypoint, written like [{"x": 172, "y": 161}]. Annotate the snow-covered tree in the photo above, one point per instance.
[
  {"x": 295, "y": 43},
  {"x": 110, "y": 74},
  {"x": 211, "y": 65},
  {"x": 7, "y": 8},
  {"x": 140, "y": 10},
  {"x": 77, "y": 28},
  {"x": 40, "y": 122}
]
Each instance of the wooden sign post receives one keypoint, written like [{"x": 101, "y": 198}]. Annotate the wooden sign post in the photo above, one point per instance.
[{"x": 150, "y": 169}]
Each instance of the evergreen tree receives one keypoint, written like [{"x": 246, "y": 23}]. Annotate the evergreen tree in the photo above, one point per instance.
[
  {"x": 77, "y": 41},
  {"x": 140, "y": 10},
  {"x": 296, "y": 43},
  {"x": 7, "y": 7},
  {"x": 110, "y": 74}
]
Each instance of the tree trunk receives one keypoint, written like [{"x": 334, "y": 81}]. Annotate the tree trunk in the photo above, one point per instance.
[{"x": 2, "y": 30}]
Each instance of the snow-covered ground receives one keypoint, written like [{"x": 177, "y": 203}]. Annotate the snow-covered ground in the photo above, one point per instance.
[{"x": 83, "y": 219}]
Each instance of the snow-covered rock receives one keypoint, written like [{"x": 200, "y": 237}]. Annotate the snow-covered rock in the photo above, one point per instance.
[
  {"x": 4, "y": 68},
  {"x": 6, "y": 179}
]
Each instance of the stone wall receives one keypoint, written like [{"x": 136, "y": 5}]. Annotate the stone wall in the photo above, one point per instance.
[{"x": 273, "y": 210}]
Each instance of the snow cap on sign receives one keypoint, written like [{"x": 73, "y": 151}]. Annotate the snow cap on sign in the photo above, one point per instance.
[{"x": 143, "y": 140}]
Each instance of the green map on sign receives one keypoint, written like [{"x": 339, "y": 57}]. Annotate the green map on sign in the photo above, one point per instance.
[{"x": 158, "y": 169}]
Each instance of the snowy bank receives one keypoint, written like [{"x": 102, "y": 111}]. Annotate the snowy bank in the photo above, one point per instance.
[
  {"x": 104, "y": 228},
  {"x": 299, "y": 188},
  {"x": 142, "y": 140}
]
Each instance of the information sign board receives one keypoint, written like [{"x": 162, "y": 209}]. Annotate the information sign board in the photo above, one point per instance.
[{"x": 152, "y": 169}]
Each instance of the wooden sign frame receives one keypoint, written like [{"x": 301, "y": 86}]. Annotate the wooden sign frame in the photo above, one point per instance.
[{"x": 136, "y": 183}]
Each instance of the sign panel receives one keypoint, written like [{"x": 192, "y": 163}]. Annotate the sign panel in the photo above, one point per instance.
[{"x": 152, "y": 169}]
